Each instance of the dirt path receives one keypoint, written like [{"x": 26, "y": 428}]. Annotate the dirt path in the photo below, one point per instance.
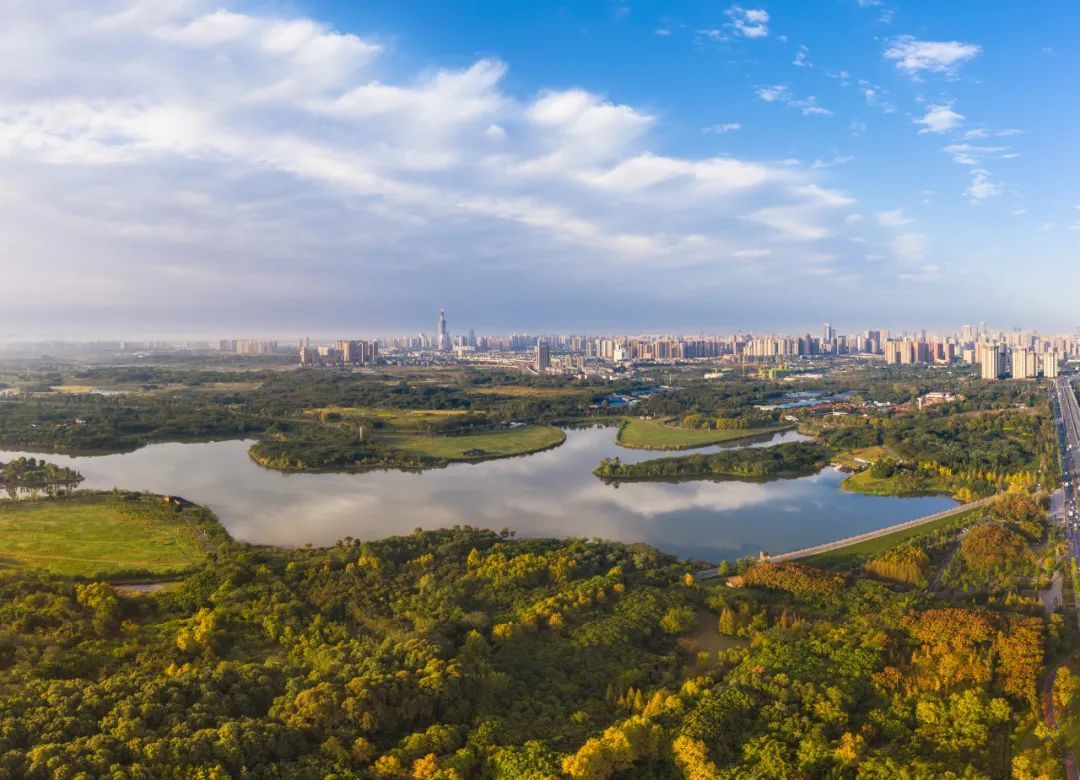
[
  {"x": 943, "y": 567},
  {"x": 200, "y": 534},
  {"x": 1051, "y": 597}
]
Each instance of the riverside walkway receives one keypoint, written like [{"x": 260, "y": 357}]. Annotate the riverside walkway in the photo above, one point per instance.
[{"x": 806, "y": 552}]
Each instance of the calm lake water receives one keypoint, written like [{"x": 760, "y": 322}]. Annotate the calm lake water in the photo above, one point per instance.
[{"x": 552, "y": 493}]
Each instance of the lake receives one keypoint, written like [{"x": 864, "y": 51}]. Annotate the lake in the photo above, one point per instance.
[{"x": 551, "y": 493}]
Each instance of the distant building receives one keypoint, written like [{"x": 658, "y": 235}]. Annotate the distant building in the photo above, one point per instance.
[
  {"x": 442, "y": 338},
  {"x": 255, "y": 347},
  {"x": 932, "y": 399},
  {"x": 1023, "y": 363},
  {"x": 543, "y": 356},
  {"x": 991, "y": 361},
  {"x": 1050, "y": 365}
]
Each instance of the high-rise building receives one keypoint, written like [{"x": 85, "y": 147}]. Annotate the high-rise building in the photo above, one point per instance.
[
  {"x": 991, "y": 361},
  {"x": 829, "y": 332},
  {"x": 543, "y": 356},
  {"x": 442, "y": 340},
  {"x": 1020, "y": 364},
  {"x": 1050, "y": 365}
]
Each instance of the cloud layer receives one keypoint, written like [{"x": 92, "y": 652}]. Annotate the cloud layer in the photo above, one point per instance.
[{"x": 160, "y": 150}]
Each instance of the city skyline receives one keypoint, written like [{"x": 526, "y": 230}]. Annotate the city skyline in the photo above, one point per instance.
[{"x": 193, "y": 168}]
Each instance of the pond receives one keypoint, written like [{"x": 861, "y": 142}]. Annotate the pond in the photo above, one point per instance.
[{"x": 551, "y": 493}]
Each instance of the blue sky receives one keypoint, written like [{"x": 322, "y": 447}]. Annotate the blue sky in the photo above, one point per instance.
[{"x": 215, "y": 168}]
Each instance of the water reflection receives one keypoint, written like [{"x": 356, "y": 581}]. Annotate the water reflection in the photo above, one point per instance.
[{"x": 552, "y": 493}]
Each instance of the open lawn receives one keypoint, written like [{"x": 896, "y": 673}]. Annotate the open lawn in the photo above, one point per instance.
[
  {"x": 705, "y": 638},
  {"x": 865, "y": 482},
  {"x": 643, "y": 434},
  {"x": 95, "y": 535},
  {"x": 397, "y": 420},
  {"x": 497, "y": 444},
  {"x": 853, "y": 554},
  {"x": 859, "y": 458}
]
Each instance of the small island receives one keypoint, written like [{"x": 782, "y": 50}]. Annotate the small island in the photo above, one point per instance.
[
  {"x": 34, "y": 474},
  {"x": 360, "y": 439},
  {"x": 783, "y": 460},
  {"x": 692, "y": 431}
]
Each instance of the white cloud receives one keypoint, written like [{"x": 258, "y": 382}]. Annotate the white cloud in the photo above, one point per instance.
[
  {"x": 982, "y": 187},
  {"x": 774, "y": 93},
  {"x": 927, "y": 272},
  {"x": 893, "y": 219},
  {"x": 838, "y": 160},
  {"x": 749, "y": 22},
  {"x": 790, "y": 222},
  {"x": 779, "y": 93},
  {"x": 810, "y": 107},
  {"x": 801, "y": 60},
  {"x": 722, "y": 129},
  {"x": 192, "y": 135},
  {"x": 910, "y": 250},
  {"x": 914, "y": 56},
  {"x": 939, "y": 119},
  {"x": 972, "y": 154}
]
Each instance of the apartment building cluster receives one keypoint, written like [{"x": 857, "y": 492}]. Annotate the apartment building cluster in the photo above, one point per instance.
[
  {"x": 248, "y": 346},
  {"x": 1017, "y": 355},
  {"x": 343, "y": 352},
  {"x": 999, "y": 360}
]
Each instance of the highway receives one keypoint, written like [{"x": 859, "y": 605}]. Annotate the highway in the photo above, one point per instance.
[{"x": 1067, "y": 419}]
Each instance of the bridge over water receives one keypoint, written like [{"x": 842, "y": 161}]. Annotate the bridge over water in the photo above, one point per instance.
[{"x": 806, "y": 552}]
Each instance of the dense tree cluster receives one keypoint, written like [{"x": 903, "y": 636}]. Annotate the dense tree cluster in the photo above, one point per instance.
[
  {"x": 26, "y": 472},
  {"x": 466, "y": 653},
  {"x": 907, "y": 565},
  {"x": 789, "y": 459}
]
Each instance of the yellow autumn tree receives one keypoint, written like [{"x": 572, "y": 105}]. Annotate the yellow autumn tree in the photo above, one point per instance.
[{"x": 692, "y": 757}]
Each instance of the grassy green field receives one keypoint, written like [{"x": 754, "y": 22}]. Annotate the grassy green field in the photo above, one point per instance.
[
  {"x": 857, "y": 459},
  {"x": 659, "y": 435},
  {"x": 396, "y": 420},
  {"x": 95, "y": 535},
  {"x": 865, "y": 482},
  {"x": 497, "y": 444},
  {"x": 846, "y": 557},
  {"x": 705, "y": 637}
]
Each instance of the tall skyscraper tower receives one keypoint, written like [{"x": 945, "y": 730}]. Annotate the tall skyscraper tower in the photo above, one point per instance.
[
  {"x": 543, "y": 356},
  {"x": 442, "y": 340},
  {"x": 828, "y": 333}
]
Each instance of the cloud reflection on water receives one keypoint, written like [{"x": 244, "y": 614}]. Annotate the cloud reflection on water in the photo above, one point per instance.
[{"x": 548, "y": 494}]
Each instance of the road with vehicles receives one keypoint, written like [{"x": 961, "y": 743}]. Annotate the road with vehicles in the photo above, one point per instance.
[
  {"x": 1067, "y": 420},
  {"x": 1063, "y": 509}
]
